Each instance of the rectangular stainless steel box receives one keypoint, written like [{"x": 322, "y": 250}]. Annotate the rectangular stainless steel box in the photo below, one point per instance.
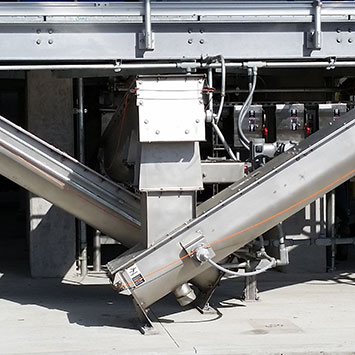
[
  {"x": 252, "y": 124},
  {"x": 221, "y": 172},
  {"x": 171, "y": 108},
  {"x": 328, "y": 112},
  {"x": 290, "y": 122}
]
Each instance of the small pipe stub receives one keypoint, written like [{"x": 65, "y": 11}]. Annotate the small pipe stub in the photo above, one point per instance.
[{"x": 184, "y": 294}]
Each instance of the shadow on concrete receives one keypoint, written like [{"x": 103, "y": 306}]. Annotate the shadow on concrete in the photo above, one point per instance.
[
  {"x": 85, "y": 305},
  {"x": 101, "y": 306},
  {"x": 88, "y": 306}
]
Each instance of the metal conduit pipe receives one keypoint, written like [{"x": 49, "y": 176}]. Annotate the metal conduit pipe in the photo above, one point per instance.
[
  {"x": 223, "y": 86},
  {"x": 224, "y": 142},
  {"x": 181, "y": 65},
  {"x": 270, "y": 265},
  {"x": 210, "y": 94},
  {"x": 278, "y": 262},
  {"x": 243, "y": 139},
  {"x": 315, "y": 241},
  {"x": 203, "y": 255},
  {"x": 234, "y": 266},
  {"x": 215, "y": 120},
  {"x": 58, "y": 67}
]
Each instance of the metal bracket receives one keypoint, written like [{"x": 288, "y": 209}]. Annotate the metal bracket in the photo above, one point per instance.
[
  {"x": 146, "y": 39},
  {"x": 77, "y": 111},
  {"x": 250, "y": 292},
  {"x": 142, "y": 38},
  {"x": 332, "y": 63},
  {"x": 145, "y": 326},
  {"x": 202, "y": 301},
  {"x": 191, "y": 245}
]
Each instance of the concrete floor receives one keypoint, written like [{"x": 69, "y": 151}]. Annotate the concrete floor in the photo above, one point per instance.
[{"x": 296, "y": 314}]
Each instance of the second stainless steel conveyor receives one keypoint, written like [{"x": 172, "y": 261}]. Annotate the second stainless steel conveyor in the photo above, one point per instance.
[
  {"x": 241, "y": 213},
  {"x": 54, "y": 175}
]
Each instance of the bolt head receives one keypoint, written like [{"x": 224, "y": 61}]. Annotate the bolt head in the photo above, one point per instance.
[
  {"x": 197, "y": 121},
  {"x": 50, "y": 41},
  {"x": 350, "y": 40},
  {"x": 187, "y": 131},
  {"x": 38, "y": 41},
  {"x": 339, "y": 40},
  {"x": 38, "y": 31},
  {"x": 189, "y": 30},
  {"x": 202, "y": 41},
  {"x": 189, "y": 41},
  {"x": 146, "y": 121},
  {"x": 157, "y": 131},
  {"x": 50, "y": 31},
  {"x": 338, "y": 30}
]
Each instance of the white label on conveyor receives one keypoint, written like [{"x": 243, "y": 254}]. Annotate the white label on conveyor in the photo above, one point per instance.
[{"x": 135, "y": 275}]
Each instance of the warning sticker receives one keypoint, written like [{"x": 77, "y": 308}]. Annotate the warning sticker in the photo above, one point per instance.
[{"x": 135, "y": 275}]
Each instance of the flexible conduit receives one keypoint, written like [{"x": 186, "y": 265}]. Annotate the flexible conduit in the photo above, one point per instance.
[
  {"x": 242, "y": 274},
  {"x": 245, "y": 108},
  {"x": 216, "y": 119}
]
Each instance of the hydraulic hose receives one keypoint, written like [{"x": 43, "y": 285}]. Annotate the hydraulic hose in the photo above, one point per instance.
[
  {"x": 224, "y": 142},
  {"x": 203, "y": 254},
  {"x": 245, "y": 108},
  {"x": 216, "y": 119},
  {"x": 241, "y": 274},
  {"x": 223, "y": 88}
]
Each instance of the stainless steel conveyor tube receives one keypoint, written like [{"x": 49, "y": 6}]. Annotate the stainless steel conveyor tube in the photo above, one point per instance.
[
  {"x": 242, "y": 212},
  {"x": 62, "y": 180}
]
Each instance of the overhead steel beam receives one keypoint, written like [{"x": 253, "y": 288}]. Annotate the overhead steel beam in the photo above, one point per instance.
[{"x": 245, "y": 30}]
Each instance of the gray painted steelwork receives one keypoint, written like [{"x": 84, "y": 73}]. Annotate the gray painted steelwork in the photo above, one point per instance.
[
  {"x": 247, "y": 30},
  {"x": 244, "y": 211},
  {"x": 55, "y": 176}
]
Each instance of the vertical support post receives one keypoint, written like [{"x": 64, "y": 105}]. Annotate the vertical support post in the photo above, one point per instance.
[
  {"x": 317, "y": 36},
  {"x": 148, "y": 26},
  {"x": 214, "y": 135},
  {"x": 97, "y": 251},
  {"x": 81, "y": 156},
  {"x": 52, "y": 235},
  {"x": 250, "y": 292},
  {"x": 331, "y": 226},
  {"x": 210, "y": 85}
]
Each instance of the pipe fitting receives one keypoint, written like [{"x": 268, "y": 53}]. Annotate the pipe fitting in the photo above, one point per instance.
[
  {"x": 184, "y": 294},
  {"x": 202, "y": 254}
]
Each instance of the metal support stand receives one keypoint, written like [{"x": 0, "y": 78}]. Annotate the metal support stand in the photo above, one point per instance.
[
  {"x": 145, "y": 325},
  {"x": 202, "y": 301},
  {"x": 97, "y": 251},
  {"x": 331, "y": 226},
  {"x": 250, "y": 292},
  {"x": 81, "y": 155}
]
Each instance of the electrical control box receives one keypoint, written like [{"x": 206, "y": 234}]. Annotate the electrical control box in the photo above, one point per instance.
[
  {"x": 252, "y": 124},
  {"x": 290, "y": 124},
  {"x": 327, "y": 113}
]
